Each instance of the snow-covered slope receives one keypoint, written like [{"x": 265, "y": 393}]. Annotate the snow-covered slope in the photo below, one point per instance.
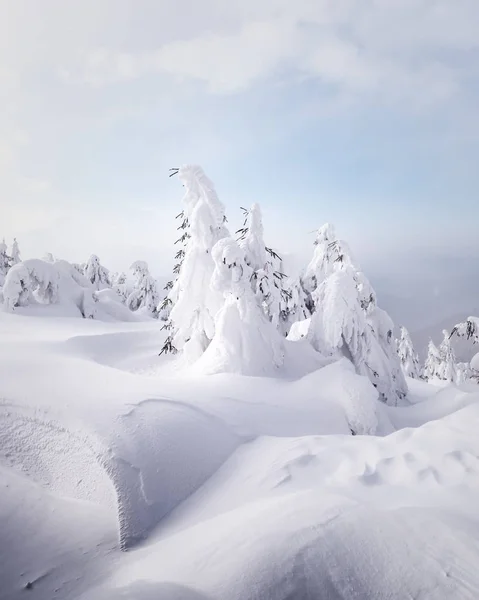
[{"x": 236, "y": 487}]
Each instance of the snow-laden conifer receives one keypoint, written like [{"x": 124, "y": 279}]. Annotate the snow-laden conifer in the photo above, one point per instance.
[
  {"x": 245, "y": 340},
  {"x": 196, "y": 304},
  {"x": 433, "y": 362},
  {"x": 120, "y": 285},
  {"x": 328, "y": 251},
  {"x": 447, "y": 370},
  {"x": 15, "y": 253},
  {"x": 96, "y": 273},
  {"x": 407, "y": 355},
  {"x": 348, "y": 322},
  {"x": 145, "y": 293},
  {"x": 267, "y": 278},
  {"x": 5, "y": 261}
]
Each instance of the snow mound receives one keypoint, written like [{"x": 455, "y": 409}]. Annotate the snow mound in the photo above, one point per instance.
[{"x": 360, "y": 517}]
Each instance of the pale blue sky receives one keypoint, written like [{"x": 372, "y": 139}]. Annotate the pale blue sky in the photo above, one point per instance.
[{"x": 359, "y": 112}]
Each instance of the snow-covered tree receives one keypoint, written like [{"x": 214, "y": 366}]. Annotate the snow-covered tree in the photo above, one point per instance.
[
  {"x": 145, "y": 293},
  {"x": 32, "y": 279},
  {"x": 468, "y": 329},
  {"x": 433, "y": 362},
  {"x": 463, "y": 373},
  {"x": 293, "y": 303},
  {"x": 49, "y": 257},
  {"x": 5, "y": 261},
  {"x": 267, "y": 279},
  {"x": 196, "y": 303},
  {"x": 245, "y": 341},
  {"x": 348, "y": 322},
  {"x": 15, "y": 252},
  {"x": 448, "y": 366},
  {"x": 97, "y": 274},
  {"x": 407, "y": 355},
  {"x": 328, "y": 252},
  {"x": 120, "y": 285}
]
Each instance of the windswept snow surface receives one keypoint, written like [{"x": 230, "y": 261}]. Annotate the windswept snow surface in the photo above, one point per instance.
[{"x": 224, "y": 487}]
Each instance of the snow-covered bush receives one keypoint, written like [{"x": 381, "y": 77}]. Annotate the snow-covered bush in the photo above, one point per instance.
[
  {"x": 97, "y": 274},
  {"x": 407, "y": 355},
  {"x": 145, "y": 293},
  {"x": 28, "y": 281},
  {"x": 245, "y": 341},
  {"x": 196, "y": 303}
]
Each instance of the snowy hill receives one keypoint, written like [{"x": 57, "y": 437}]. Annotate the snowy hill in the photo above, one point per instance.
[
  {"x": 254, "y": 483},
  {"x": 251, "y": 435}
]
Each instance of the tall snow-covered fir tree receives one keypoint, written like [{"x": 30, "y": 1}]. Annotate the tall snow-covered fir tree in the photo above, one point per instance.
[
  {"x": 145, "y": 293},
  {"x": 407, "y": 355},
  {"x": 245, "y": 340},
  {"x": 5, "y": 261},
  {"x": 347, "y": 321},
  {"x": 96, "y": 273},
  {"x": 294, "y": 304},
  {"x": 328, "y": 251},
  {"x": 448, "y": 366},
  {"x": 267, "y": 278},
  {"x": 196, "y": 303},
  {"x": 433, "y": 362},
  {"x": 15, "y": 252},
  {"x": 120, "y": 285}
]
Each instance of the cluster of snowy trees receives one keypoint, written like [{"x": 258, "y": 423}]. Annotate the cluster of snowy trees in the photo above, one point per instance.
[
  {"x": 53, "y": 281},
  {"x": 441, "y": 363},
  {"x": 231, "y": 306},
  {"x": 8, "y": 259}
]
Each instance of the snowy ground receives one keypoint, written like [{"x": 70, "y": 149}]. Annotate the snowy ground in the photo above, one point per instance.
[{"x": 223, "y": 487}]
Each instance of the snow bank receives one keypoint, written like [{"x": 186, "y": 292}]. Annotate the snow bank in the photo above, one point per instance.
[{"x": 327, "y": 517}]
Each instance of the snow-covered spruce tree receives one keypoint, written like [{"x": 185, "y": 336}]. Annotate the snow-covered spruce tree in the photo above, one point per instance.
[
  {"x": 171, "y": 287},
  {"x": 15, "y": 252},
  {"x": 267, "y": 277},
  {"x": 468, "y": 329},
  {"x": 464, "y": 373},
  {"x": 433, "y": 362},
  {"x": 31, "y": 280},
  {"x": 5, "y": 261},
  {"x": 294, "y": 303},
  {"x": 145, "y": 293},
  {"x": 120, "y": 285},
  {"x": 97, "y": 274},
  {"x": 196, "y": 303},
  {"x": 245, "y": 340},
  {"x": 327, "y": 252},
  {"x": 448, "y": 366},
  {"x": 407, "y": 355},
  {"x": 348, "y": 322}
]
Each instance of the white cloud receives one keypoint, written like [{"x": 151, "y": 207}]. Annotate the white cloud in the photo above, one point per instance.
[{"x": 399, "y": 49}]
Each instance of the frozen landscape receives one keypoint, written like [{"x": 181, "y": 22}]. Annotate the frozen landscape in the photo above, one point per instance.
[{"x": 247, "y": 432}]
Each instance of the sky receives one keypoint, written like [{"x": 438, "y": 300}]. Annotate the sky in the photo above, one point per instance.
[{"x": 358, "y": 112}]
